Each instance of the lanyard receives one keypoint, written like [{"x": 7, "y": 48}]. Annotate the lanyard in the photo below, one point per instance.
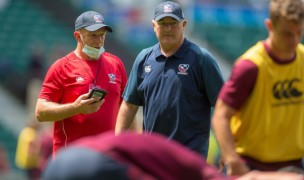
[{"x": 93, "y": 80}]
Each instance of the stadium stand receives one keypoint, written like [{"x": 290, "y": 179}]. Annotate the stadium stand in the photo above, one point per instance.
[
  {"x": 8, "y": 140},
  {"x": 230, "y": 40},
  {"x": 24, "y": 24},
  {"x": 230, "y": 27}
]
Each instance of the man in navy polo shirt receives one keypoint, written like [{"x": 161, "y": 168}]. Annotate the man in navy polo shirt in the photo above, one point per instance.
[{"x": 176, "y": 82}]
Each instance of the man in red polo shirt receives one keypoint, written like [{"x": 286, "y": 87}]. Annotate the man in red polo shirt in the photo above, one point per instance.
[{"x": 64, "y": 98}]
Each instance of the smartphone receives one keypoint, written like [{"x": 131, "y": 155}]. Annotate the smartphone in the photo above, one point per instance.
[{"x": 98, "y": 92}]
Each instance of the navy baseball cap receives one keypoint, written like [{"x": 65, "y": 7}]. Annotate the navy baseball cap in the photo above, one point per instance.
[
  {"x": 91, "y": 21},
  {"x": 83, "y": 163},
  {"x": 168, "y": 9}
]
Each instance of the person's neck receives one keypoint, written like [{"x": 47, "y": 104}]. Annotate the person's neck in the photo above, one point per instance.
[
  {"x": 168, "y": 50},
  {"x": 281, "y": 55}
]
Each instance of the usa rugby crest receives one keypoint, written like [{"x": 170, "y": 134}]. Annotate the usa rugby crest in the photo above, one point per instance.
[{"x": 183, "y": 68}]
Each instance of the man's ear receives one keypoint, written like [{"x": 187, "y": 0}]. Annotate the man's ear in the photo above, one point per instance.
[
  {"x": 153, "y": 24},
  {"x": 184, "y": 24},
  {"x": 77, "y": 36},
  {"x": 268, "y": 24}
]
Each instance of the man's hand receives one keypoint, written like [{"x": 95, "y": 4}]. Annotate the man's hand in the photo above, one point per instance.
[
  {"x": 88, "y": 106},
  {"x": 236, "y": 167}
]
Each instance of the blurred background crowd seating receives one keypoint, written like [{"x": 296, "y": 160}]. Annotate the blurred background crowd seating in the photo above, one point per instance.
[{"x": 34, "y": 33}]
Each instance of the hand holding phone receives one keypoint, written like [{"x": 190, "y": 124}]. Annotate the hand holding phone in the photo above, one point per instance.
[{"x": 98, "y": 92}]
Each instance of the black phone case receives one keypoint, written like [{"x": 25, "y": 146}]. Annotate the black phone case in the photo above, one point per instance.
[{"x": 98, "y": 92}]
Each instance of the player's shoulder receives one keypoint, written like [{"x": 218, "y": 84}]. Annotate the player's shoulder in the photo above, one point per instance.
[
  {"x": 258, "y": 47},
  {"x": 148, "y": 50},
  {"x": 62, "y": 61},
  {"x": 112, "y": 59},
  {"x": 198, "y": 50},
  {"x": 201, "y": 54},
  {"x": 144, "y": 53},
  {"x": 111, "y": 56},
  {"x": 255, "y": 53},
  {"x": 301, "y": 48}
]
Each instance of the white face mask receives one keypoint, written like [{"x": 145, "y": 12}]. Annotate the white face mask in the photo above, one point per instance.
[{"x": 93, "y": 52}]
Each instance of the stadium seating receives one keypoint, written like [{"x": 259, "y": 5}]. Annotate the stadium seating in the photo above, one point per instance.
[
  {"x": 9, "y": 141},
  {"x": 231, "y": 41},
  {"x": 24, "y": 25}
]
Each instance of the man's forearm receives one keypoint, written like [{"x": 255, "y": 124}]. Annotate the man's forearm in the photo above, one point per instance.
[
  {"x": 50, "y": 111},
  {"x": 125, "y": 118},
  {"x": 221, "y": 126}
]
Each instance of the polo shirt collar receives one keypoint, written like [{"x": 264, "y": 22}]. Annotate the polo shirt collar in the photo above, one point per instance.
[{"x": 180, "y": 53}]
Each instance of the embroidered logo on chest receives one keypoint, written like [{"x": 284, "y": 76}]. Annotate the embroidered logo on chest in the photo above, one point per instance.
[
  {"x": 287, "y": 89},
  {"x": 147, "y": 69},
  {"x": 79, "y": 79},
  {"x": 183, "y": 68},
  {"x": 112, "y": 78}
]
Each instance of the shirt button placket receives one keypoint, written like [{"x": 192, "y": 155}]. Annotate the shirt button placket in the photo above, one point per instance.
[{"x": 166, "y": 68}]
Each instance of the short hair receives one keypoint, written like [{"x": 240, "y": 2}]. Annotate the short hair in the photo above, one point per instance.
[{"x": 291, "y": 10}]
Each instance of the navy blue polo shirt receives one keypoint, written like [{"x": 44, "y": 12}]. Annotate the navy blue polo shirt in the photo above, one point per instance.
[{"x": 176, "y": 93}]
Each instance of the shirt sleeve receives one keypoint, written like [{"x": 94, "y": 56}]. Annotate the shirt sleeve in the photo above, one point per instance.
[
  {"x": 130, "y": 94},
  {"x": 213, "y": 78},
  {"x": 52, "y": 84},
  {"x": 240, "y": 84},
  {"x": 123, "y": 77}
]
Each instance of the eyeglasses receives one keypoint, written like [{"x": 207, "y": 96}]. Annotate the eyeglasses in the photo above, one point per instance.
[{"x": 163, "y": 24}]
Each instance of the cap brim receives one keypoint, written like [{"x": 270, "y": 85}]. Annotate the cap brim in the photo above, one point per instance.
[
  {"x": 167, "y": 15},
  {"x": 95, "y": 27}
]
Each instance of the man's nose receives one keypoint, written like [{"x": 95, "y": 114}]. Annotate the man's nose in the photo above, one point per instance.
[{"x": 168, "y": 26}]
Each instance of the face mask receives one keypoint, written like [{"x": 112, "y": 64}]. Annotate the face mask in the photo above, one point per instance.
[{"x": 93, "y": 52}]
